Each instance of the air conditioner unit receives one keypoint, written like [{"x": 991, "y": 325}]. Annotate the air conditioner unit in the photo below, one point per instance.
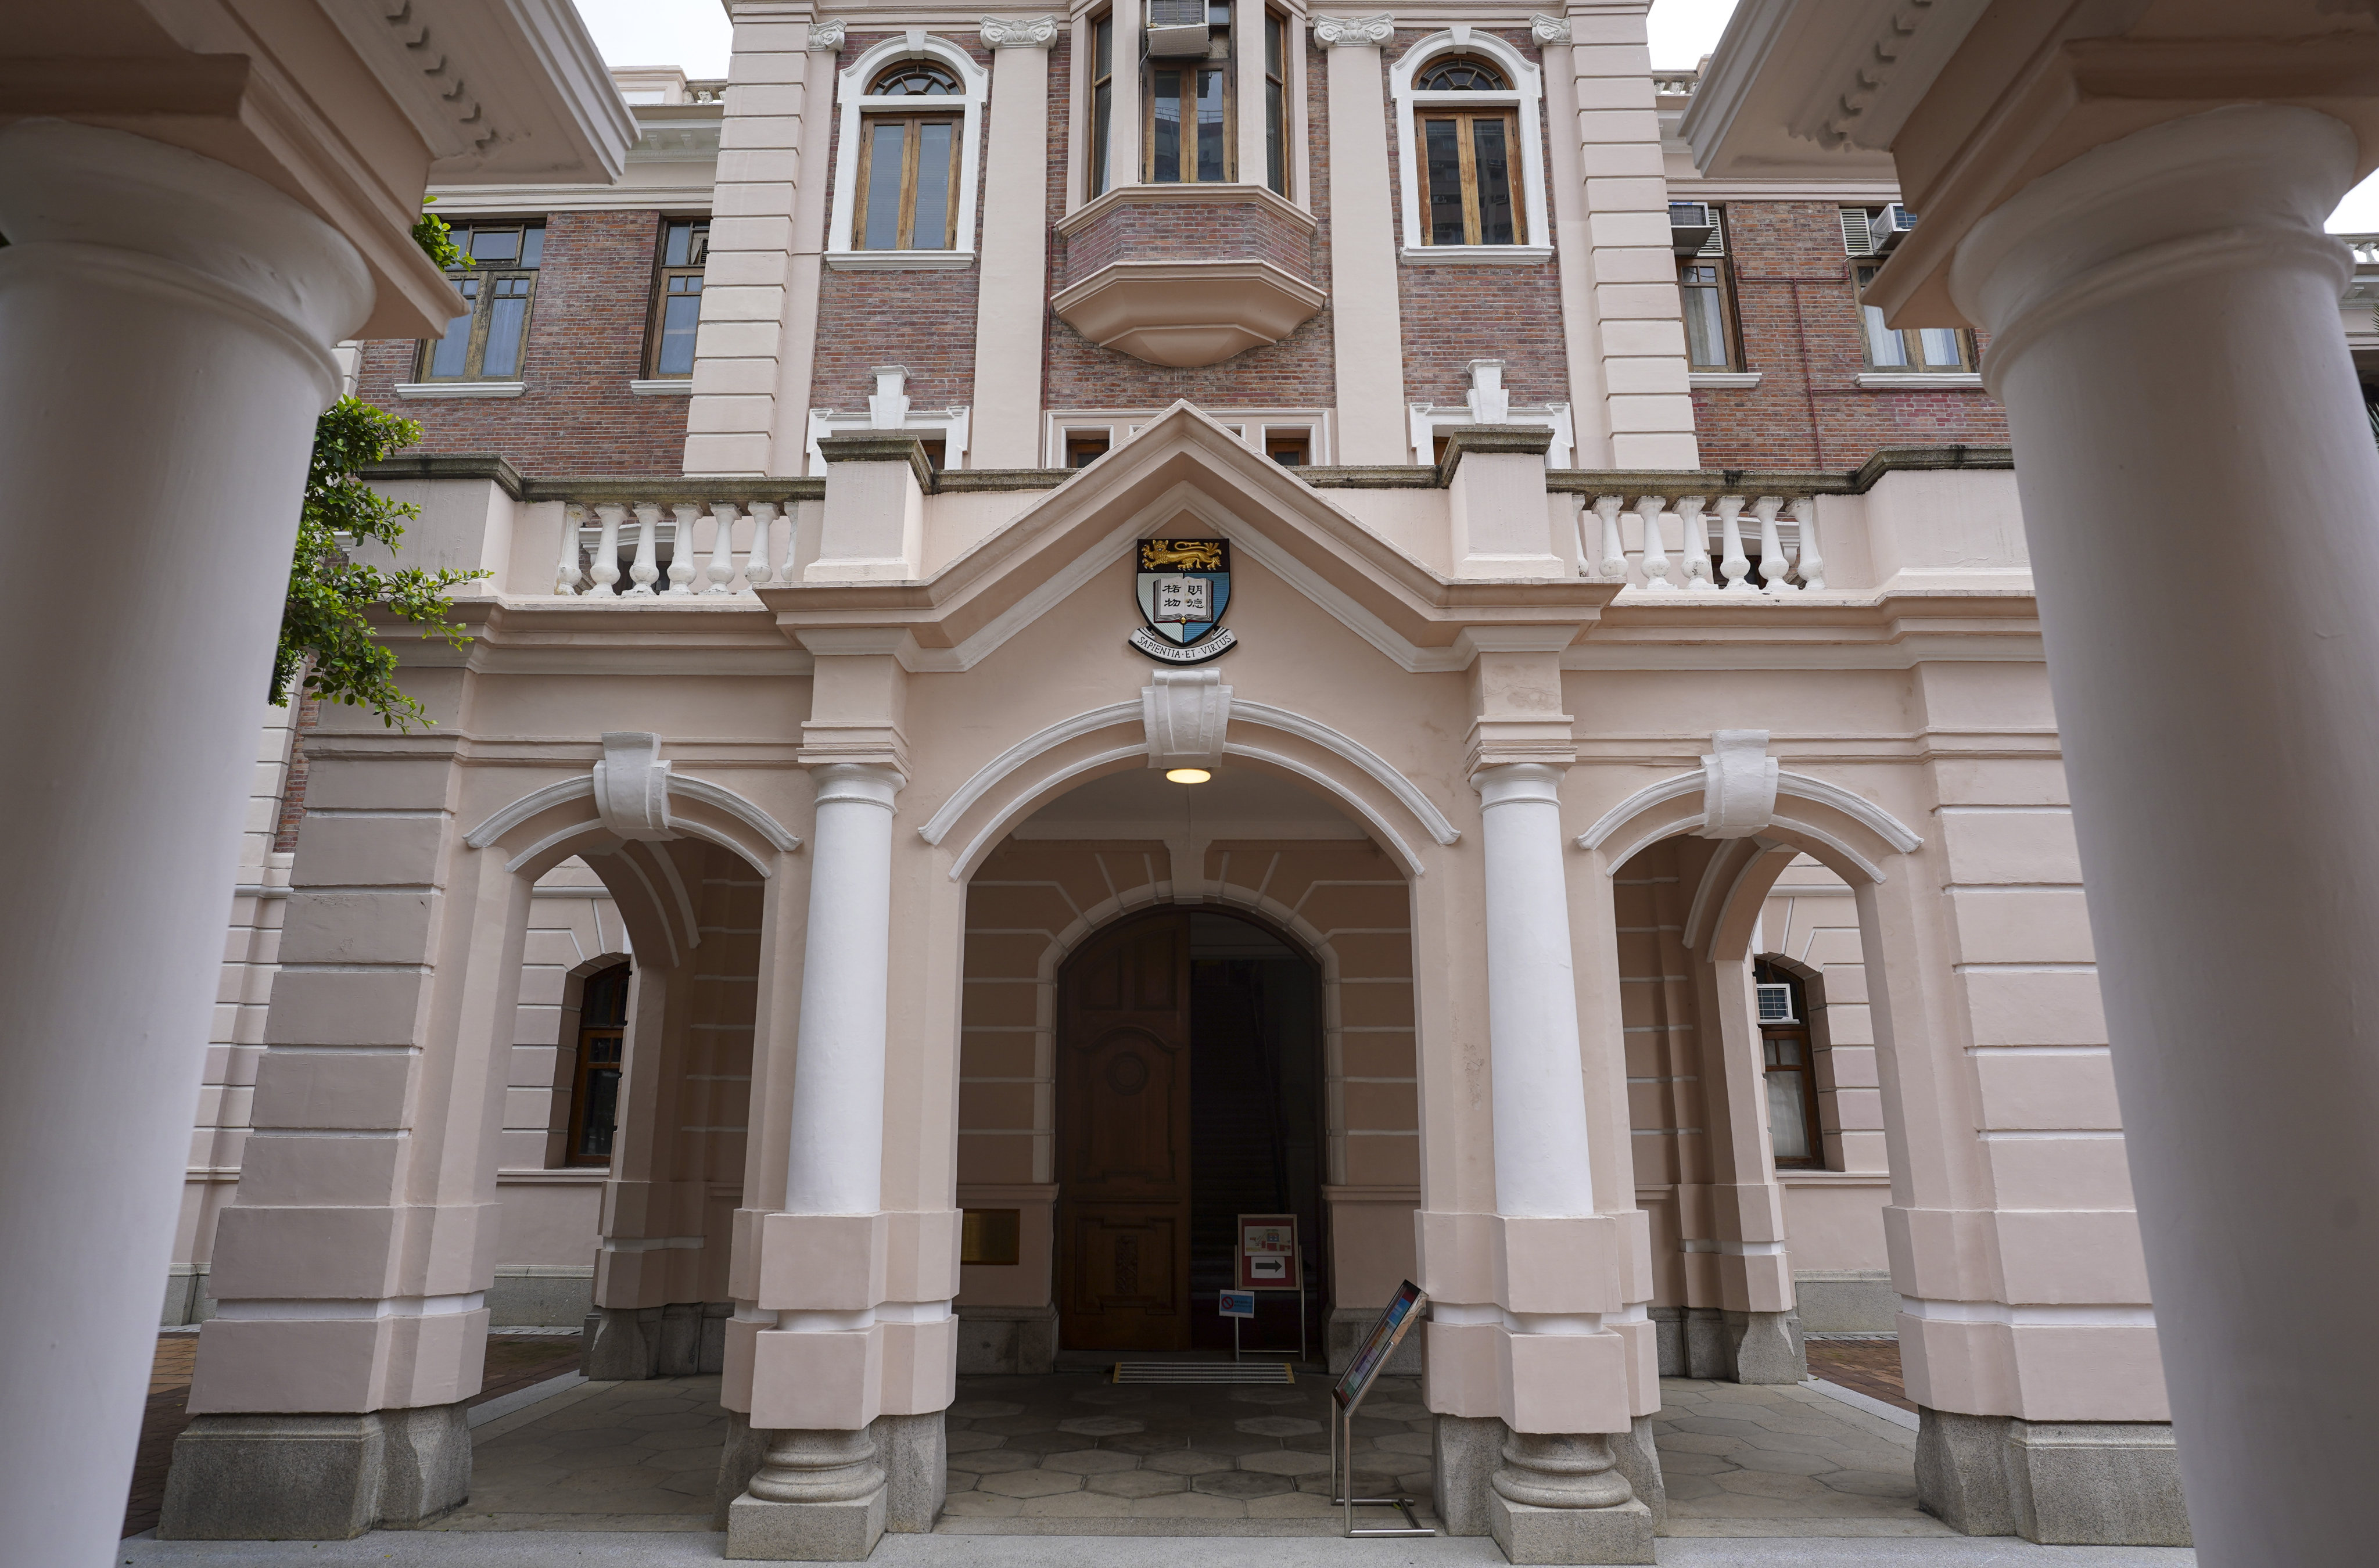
[
  {"x": 1776, "y": 1004},
  {"x": 1691, "y": 226},
  {"x": 1177, "y": 27},
  {"x": 1887, "y": 228}
]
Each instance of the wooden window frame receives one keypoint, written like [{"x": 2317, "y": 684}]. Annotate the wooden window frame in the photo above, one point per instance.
[
  {"x": 1276, "y": 82},
  {"x": 1102, "y": 75},
  {"x": 1227, "y": 70},
  {"x": 1911, "y": 341},
  {"x": 1802, "y": 1031},
  {"x": 583, "y": 1065},
  {"x": 1473, "y": 221},
  {"x": 482, "y": 299},
  {"x": 1730, "y": 325},
  {"x": 912, "y": 142},
  {"x": 656, "y": 322}
]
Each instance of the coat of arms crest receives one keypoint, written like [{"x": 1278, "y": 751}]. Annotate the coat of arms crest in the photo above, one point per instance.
[{"x": 1183, "y": 586}]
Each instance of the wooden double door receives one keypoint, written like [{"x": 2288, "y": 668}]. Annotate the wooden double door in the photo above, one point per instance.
[{"x": 1123, "y": 1108}]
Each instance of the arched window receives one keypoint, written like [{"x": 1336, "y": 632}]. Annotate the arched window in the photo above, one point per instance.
[
  {"x": 594, "y": 1073},
  {"x": 1790, "y": 1066},
  {"x": 1471, "y": 169},
  {"x": 916, "y": 78},
  {"x": 912, "y": 138},
  {"x": 1459, "y": 73}
]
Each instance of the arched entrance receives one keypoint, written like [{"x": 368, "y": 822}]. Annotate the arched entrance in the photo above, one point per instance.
[{"x": 1188, "y": 1094}]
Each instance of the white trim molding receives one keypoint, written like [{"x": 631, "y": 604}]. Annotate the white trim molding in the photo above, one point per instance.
[
  {"x": 1717, "y": 380},
  {"x": 1914, "y": 380},
  {"x": 663, "y": 386},
  {"x": 850, "y": 85},
  {"x": 460, "y": 388},
  {"x": 1526, "y": 96},
  {"x": 888, "y": 409},
  {"x": 1487, "y": 403}
]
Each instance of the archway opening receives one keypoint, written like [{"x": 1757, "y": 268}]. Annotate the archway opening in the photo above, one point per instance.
[{"x": 1190, "y": 1136}]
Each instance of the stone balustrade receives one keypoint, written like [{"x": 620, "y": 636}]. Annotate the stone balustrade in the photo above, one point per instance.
[{"x": 722, "y": 540}]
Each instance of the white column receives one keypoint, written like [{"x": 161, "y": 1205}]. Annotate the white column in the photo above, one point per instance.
[
  {"x": 1123, "y": 118},
  {"x": 170, "y": 323},
  {"x": 1015, "y": 264},
  {"x": 1539, "y": 1088},
  {"x": 1368, "y": 350},
  {"x": 836, "y": 1166},
  {"x": 1248, "y": 87},
  {"x": 2163, "y": 321}
]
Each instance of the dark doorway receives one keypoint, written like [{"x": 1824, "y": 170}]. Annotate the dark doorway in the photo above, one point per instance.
[{"x": 1189, "y": 1093}]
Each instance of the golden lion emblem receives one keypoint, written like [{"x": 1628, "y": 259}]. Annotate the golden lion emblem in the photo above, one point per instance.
[{"x": 1183, "y": 555}]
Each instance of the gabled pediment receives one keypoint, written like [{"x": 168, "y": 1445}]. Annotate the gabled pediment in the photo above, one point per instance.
[{"x": 1182, "y": 468}]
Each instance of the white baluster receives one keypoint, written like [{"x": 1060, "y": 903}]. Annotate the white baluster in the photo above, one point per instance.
[
  {"x": 1656, "y": 549},
  {"x": 1812, "y": 563},
  {"x": 758, "y": 570},
  {"x": 722, "y": 547},
  {"x": 607, "y": 552},
  {"x": 566, "y": 574},
  {"x": 1614, "y": 566},
  {"x": 646, "y": 565},
  {"x": 1773, "y": 567},
  {"x": 1698, "y": 561},
  {"x": 681, "y": 567},
  {"x": 1735, "y": 565}
]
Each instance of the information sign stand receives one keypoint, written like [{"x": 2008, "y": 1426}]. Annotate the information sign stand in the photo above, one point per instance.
[
  {"x": 1267, "y": 1258},
  {"x": 1402, "y": 1311}
]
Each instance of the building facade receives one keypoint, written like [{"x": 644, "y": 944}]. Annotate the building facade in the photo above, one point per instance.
[{"x": 1624, "y": 883}]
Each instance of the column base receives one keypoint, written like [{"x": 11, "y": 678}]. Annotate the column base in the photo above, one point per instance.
[
  {"x": 739, "y": 1459},
  {"x": 915, "y": 1454},
  {"x": 315, "y": 1478},
  {"x": 1669, "y": 1336},
  {"x": 805, "y": 1532},
  {"x": 1706, "y": 1357},
  {"x": 998, "y": 1340},
  {"x": 683, "y": 1339},
  {"x": 1765, "y": 1347},
  {"x": 1639, "y": 1460},
  {"x": 1619, "y": 1534},
  {"x": 1467, "y": 1449},
  {"x": 2059, "y": 1483}
]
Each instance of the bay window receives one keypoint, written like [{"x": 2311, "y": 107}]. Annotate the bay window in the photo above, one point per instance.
[{"x": 490, "y": 341}]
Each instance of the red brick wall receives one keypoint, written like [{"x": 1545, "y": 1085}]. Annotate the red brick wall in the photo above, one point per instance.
[
  {"x": 585, "y": 343},
  {"x": 1294, "y": 372},
  {"x": 1199, "y": 232},
  {"x": 1800, "y": 326},
  {"x": 1453, "y": 315},
  {"x": 925, "y": 320}
]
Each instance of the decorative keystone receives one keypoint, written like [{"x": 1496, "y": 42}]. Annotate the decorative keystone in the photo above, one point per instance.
[
  {"x": 632, "y": 786},
  {"x": 1739, "y": 784}
]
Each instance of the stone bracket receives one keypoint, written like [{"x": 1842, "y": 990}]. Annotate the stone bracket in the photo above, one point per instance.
[
  {"x": 1739, "y": 784},
  {"x": 1185, "y": 713},
  {"x": 632, "y": 786}
]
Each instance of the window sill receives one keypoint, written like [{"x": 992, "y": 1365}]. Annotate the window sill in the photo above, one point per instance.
[
  {"x": 898, "y": 260},
  {"x": 1921, "y": 381},
  {"x": 1715, "y": 380},
  {"x": 669, "y": 386},
  {"x": 1479, "y": 255},
  {"x": 460, "y": 388}
]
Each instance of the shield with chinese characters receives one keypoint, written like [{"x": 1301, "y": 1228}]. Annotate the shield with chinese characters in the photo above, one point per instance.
[{"x": 1184, "y": 585}]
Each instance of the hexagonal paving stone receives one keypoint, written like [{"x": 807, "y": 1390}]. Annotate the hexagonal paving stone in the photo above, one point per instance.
[
  {"x": 1784, "y": 1463},
  {"x": 1049, "y": 1443},
  {"x": 963, "y": 1442},
  {"x": 1147, "y": 1442},
  {"x": 705, "y": 1459},
  {"x": 1136, "y": 1483},
  {"x": 1870, "y": 1483},
  {"x": 1029, "y": 1483},
  {"x": 981, "y": 1505},
  {"x": 691, "y": 1436},
  {"x": 991, "y": 1461},
  {"x": 1090, "y": 1462},
  {"x": 1186, "y": 1461},
  {"x": 1684, "y": 1462},
  {"x": 1216, "y": 1439},
  {"x": 1689, "y": 1488},
  {"x": 957, "y": 1480},
  {"x": 1268, "y": 1396},
  {"x": 1406, "y": 1442},
  {"x": 1709, "y": 1428},
  {"x": 1700, "y": 1442},
  {"x": 1242, "y": 1483},
  {"x": 1111, "y": 1394},
  {"x": 1277, "y": 1425},
  {"x": 1102, "y": 1426},
  {"x": 1283, "y": 1463},
  {"x": 1018, "y": 1425},
  {"x": 983, "y": 1409}
]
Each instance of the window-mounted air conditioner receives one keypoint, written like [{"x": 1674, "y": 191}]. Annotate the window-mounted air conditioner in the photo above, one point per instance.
[
  {"x": 1887, "y": 228},
  {"x": 1776, "y": 1004},
  {"x": 1177, "y": 27},
  {"x": 1691, "y": 226}
]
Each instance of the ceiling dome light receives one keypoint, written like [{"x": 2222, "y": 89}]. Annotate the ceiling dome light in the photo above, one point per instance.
[{"x": 1187, "y": 775}]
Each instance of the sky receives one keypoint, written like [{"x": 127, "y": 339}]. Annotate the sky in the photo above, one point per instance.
[{"x": 693, "y": 35}]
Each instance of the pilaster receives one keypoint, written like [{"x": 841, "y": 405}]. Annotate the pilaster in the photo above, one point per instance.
[
  {"x": 1368, "y": 336},
  {"x": 1014, "y": 263}
]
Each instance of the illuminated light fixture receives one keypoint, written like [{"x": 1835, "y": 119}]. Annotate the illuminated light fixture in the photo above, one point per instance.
[{"x": 1187, "y": 775}]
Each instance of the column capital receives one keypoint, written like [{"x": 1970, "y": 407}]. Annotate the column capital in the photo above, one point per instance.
[
  {"x": 1515, "y": 783},
  {"x": 1549, "y": 29},
  {"x": 1354, "y": 32},
  {"x": 857, "y": 783},
  {"x": 827, "y": 37},
  {"x": 1028, "y": 32}
]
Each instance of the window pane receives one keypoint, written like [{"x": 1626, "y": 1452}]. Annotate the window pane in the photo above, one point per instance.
[
  {"x": 885, "y": 140},
  {"x": 1106, "y": 47},
  {"x": 678, "y": 316},
  {"x": 1102, "y": 115},
  {"x": 1210, "y": 124},
  {"x": 1442, "y": 155},
  {"x": 1495, "y": 226},
  {"x": 448, "y": 358},
  {"x": 1884, "y": 347},
  {"x": 1164, "y": 144},
  {"x": 931, "y": 228},
  {"x": 1275, "y": 49},
  {"x": 1939, "y": 345},
  {"x": 1275, "y": 145},
  {"x": 602, "y": 1111},
  {"x": 491, "y": 246},
  {"x": 673, "y": 251},
  {"x": 533, "y": 246},
  {"x": 1788, "y": 1116},
  {"x": 507, "y": 322},
  {"x": 1704, "y": 326}
]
